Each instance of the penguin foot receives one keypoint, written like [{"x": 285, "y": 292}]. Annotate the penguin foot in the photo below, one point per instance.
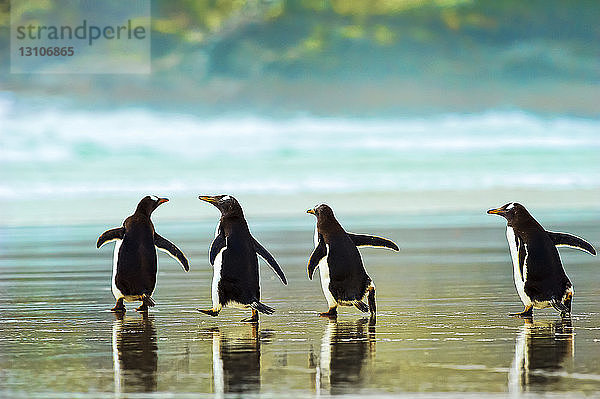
[
  {"x": 142, "y": 308},
  {"x": 331, "y": 313},
  {"x": 119, "y": 306},
  {"x": 210, "y": 312},
  {"x": 372, "y": 303},
  {"x": 527, "y": 313},
  {"x": 372, "y": 320},
  {"x": 119, "y": 315},
  {"x": 252, "y": 319}
]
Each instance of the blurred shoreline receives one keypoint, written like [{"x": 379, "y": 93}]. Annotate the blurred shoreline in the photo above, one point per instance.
[
  {"x": 416, "y": 208},
  {"x": 281, "y": 98}
]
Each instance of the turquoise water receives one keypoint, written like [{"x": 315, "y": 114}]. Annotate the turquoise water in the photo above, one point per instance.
[
  {"x": 65, "y": 158},
  {"x": 73, "y": 152}
]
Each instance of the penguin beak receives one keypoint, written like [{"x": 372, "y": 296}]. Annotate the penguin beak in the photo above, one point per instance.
[
  {"x": 162, "y": 200},
  {"x": 311, "y": 211},
  {"x": 498, "y": 211},
  {"x": 208, "y": 198}
]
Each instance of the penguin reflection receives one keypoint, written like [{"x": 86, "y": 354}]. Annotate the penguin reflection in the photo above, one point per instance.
[
  {"x": 345, "y": 348},
  {"x": 540, "y": 351},
  {"x": 236, "y": 361},
  {"x": 135, "y": 358}
]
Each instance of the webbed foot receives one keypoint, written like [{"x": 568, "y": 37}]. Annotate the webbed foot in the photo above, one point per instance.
[
  {"x": 119, "y": 306},
  {"x": 210, "y": 312},
  {"x": 331, "y": 313},
  {"x": 252, "y": 319},
  {"x": 142, "y": 308},
  {"x": 527, "y": 313}
]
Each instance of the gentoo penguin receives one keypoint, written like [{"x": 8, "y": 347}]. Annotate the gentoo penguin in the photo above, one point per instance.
[
  {"x": 343, "y": 277},
  {"x": 236, "y": 281},
  {"x": 539, "y": 276},
  {"x": 134, "y": 261}
]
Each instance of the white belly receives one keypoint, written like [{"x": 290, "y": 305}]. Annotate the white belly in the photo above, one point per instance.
[
  {"x": 116, "y": 292},
  {"x": 519, "y": 279},
  {"x": 324, "y": 273},
  {"x": 216, "y": 279}
]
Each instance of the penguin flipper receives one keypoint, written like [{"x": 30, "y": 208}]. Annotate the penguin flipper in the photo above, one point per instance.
[
  {"x": 318, "y": 253},
  {"x": 217, "y": 245},
  {"x": 270, "y": 260},
  {"x": 164, "y": 245},
  {"x": 569, "y": 240},
  {"x": 364, "y": 240},
  {"x": 110, "y": 235}
]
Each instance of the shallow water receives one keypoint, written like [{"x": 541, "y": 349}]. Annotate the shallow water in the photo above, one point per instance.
[{"x": 442, "y": 324}]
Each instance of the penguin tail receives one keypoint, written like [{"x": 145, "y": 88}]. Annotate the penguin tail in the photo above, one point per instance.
[
  {"x": 559, "y": 306},
  {"x": 262, "y": 308},
  {"x": 147, "y": 299},
  {"x": 360, "y": 305}
]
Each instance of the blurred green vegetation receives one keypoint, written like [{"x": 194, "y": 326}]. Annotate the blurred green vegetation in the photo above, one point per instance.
[
  {"x": 354, "y": 39},
  {"x": 462, "y": 41}
]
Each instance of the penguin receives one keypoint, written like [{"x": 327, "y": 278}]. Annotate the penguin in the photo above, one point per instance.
[
  {"x": 236, "y": 281},
  {"x": 538, "y": 272},
  {"x": 134, "y": 260},
  {"x": 343, "y": 277}
]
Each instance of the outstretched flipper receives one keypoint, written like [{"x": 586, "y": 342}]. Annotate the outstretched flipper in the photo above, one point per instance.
[
  {"x": 270, "y": 260},
  {"x": 162, "y": 244},
  {"x": 318, "y": 253},
  {"x": 569, "y": 240},
  {"x": 110, "y": 235},
  {"x": 217, "y": 245},
  {"x": 364, "y": 240}
]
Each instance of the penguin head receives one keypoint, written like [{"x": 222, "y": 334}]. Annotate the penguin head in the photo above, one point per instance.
[
  {"x": 513, "y": 212},
  {"x": 322, "y": 212},
  {"x": 227, "y": 204},
  {"x": 149, "y": 203}
]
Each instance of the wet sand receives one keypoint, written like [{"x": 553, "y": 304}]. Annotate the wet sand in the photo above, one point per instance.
[{"x": 442, "y": 321}]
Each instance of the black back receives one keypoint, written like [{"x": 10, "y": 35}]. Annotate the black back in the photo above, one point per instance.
[
  {"x": 136, "y": 264},
  {"x": 348, "y": 277}
]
